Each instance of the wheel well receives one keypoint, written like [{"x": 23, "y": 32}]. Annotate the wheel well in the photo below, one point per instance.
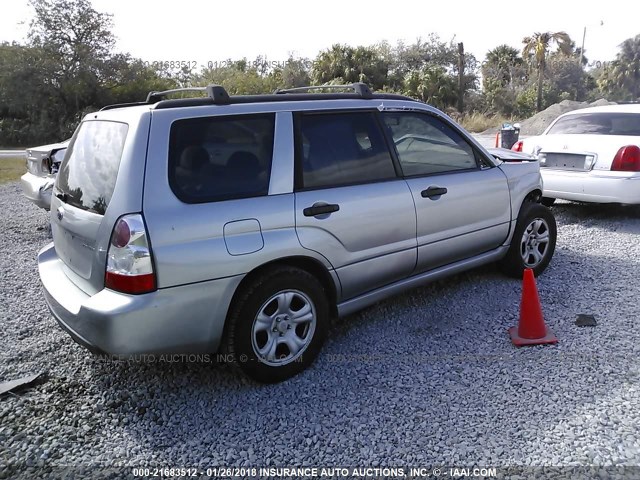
[
  {"x": 307, "y": 264},
  {"x": 533, "y": 196}
]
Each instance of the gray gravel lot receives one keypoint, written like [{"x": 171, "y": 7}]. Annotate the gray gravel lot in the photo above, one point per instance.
[{"x": 426, "y": 378}]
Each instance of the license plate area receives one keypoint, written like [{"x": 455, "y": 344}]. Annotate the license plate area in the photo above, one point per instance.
[{"x": 565, "y": 161}]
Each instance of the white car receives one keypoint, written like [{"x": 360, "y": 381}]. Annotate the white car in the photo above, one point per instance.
[
  {"x": 42, "y": 166},
  {"x": 590, "y": 155}
]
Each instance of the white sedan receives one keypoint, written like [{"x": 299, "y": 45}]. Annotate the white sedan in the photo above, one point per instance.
[{"x": 590, "y": 155}]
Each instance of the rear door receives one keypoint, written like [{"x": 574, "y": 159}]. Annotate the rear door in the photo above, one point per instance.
[
  {"x": 462, "y": 201},
  {"x": 350, "y": 204}
]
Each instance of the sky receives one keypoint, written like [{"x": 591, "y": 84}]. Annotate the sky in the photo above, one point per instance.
[{"x": 201, "y": 31}]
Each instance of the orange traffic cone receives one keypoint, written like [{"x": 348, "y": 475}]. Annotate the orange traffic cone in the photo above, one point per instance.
[{"x": 531, "y": 329}]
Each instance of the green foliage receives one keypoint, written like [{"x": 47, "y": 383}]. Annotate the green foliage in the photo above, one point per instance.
[
  {"x": 359, "y": 64},
  {"x": 535, "y": 51},
  {"x": 567, "y": 78},
  {"x": 527, "y": 100},
  {"x": 624, "y": 77},
  {"x": 68, "y": 68},
  {"x": 238, "y": 79},
  {"x": 432, "y": 85}
]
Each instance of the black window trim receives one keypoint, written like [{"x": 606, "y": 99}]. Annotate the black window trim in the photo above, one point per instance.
[
  {"x": 298, "y": 183},
  {"x": 193, "y": 200},
  {"x": 481, "y": 162}
]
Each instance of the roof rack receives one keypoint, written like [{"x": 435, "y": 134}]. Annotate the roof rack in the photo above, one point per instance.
[
  {"x": 215, "y": 92},
  {"x": 359, "y": 88},
  {"x": 217, "y": 95}
]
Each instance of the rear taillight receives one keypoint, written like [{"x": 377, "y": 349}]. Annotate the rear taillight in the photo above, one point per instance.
[
  {"x": 129, "y": 263},
  {"x": 517, "y": 147},
  {"x": 627, "y": 159}
]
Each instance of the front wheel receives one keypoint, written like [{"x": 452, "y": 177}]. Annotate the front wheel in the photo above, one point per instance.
[
  {"x": 533, "y": 242},
  {"x": 278, "y": 324}
]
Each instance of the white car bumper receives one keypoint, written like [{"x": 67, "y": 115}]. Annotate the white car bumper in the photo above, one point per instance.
[
  {"x": 38, "y": 189},
  {"x": 594, "y": 186}
]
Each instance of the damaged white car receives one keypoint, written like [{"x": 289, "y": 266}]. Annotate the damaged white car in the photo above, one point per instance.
[{"x": 42, "y": 166}]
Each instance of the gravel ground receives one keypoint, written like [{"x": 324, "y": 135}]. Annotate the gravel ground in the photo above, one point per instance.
[{"x": 426, "y": 378}]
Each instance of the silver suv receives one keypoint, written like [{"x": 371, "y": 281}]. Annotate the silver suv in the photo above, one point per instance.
[{"x": 247, "y": 223}]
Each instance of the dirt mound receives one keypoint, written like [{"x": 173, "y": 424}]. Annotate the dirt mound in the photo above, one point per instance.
[{"x": 537, "y": 124}]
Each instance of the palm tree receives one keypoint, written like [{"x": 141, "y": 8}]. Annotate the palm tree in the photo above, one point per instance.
[
  {"x": 432, "y": 85},
  {"x": 500, "y": 62},
  {"x": 536, "y": 48},
  {"x": 626, "y": 69}
]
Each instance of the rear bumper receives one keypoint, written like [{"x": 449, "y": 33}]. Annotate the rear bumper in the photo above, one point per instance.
[
  {"x": 184, "y": 319},
  {"x": 594, "y": 186},
  {"x": 37, "y": 189}
]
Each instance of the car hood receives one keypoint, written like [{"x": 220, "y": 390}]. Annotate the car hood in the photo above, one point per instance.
[{"x": 506, "y": 155}]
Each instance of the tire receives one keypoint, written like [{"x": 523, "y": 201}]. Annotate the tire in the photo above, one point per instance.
[
  {"x": 547, "y": 201},
  {"x": 277, "y": 325},
  {"x": 528, "y": 247}
]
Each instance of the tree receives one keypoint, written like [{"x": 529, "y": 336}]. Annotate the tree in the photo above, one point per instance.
[
  {"x": 432, "y": 85},
  {"x": 504, "y": 75},
  {"x": 127, "y": 79},
  {"x": 535, "y": 50},
  {"x": 294, "y": 73},
  {"x": 626, "y": 68},
  {"x": 66, "y": 69},
  {"x": 502, "y": 64},
  {"x": 78, "y": 42},
  {"x": 359, "y": 64},
  {"x": 238, "y": 77},
  {"x": 567, "y": 79}
]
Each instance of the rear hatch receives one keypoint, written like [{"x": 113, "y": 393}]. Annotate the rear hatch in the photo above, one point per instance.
[{"x": 83, "y": 193}]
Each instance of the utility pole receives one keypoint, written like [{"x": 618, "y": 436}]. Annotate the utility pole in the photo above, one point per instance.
[
  {"x": 460, "y": 77},
  {"x": 584, "y": 34}
]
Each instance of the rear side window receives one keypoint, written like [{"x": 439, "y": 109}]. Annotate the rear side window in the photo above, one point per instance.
[
  {"x": 604, "y": 123},
  {"x": 341, "y": 149},
  {"x": 88, "y": 175},
  {"x": 220, "y": 158}
]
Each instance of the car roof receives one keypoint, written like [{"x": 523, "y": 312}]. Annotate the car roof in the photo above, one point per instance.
[
  {"x": 217, "y": 95},
  {"x": 294, "y": 104},
  {"x": 625, "y": 108}
]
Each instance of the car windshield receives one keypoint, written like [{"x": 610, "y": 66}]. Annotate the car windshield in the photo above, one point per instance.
[{"x": 603, "y": 123}]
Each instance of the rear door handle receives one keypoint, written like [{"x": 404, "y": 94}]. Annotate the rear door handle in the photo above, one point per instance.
[
  {"x": 320, "y": 209},
  {"x": 433, "y": 192}
]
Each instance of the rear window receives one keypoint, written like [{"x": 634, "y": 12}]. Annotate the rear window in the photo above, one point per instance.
[
  {"x": 337, "y": 149},
  {"x": 88, "y": 175},
  {"x": 220, "y": 158},
  {"x": 605, "y": 123}
]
